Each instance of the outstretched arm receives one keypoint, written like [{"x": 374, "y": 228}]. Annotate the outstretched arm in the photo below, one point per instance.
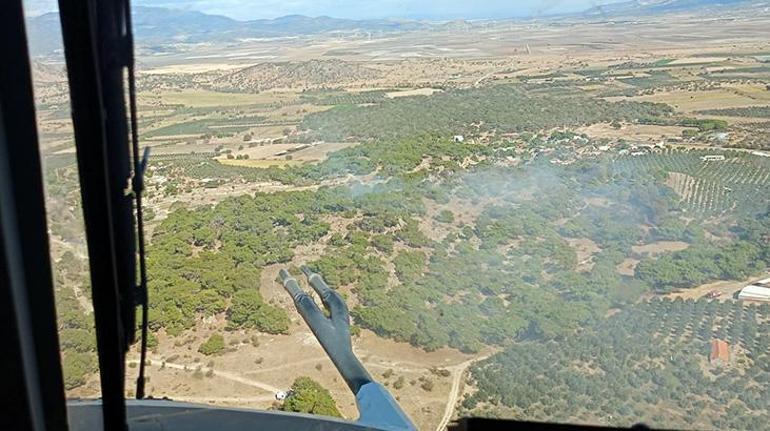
[
  {"x": 332, "y": 332},
  {"x": 377, "y": 407}
]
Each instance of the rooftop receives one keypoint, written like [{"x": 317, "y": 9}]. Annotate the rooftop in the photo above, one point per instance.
[
  {"x": 720, "y": 351},
  {"x": 754, "y": 290}
]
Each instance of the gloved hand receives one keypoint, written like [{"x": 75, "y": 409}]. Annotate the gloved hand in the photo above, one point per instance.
[{"x": 332, "y": 332}]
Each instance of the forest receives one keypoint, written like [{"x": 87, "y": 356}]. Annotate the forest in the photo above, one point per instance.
[
  {"x": 513, "y": 264},
  {"x": 498, "y": 108}
]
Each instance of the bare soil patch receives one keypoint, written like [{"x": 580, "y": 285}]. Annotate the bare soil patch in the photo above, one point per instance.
[
  {"x": 319, "y": 151},
  {"x": 660, "y": 247},
  {"x": 415, "y": 92},
  {"x": 634, "y": 132},
  {"x": 627, "y": 267},
  {"x": 254, "y": 373},
  {"x": 726, "y": 289},
  {"x": 585, "y": 250}
]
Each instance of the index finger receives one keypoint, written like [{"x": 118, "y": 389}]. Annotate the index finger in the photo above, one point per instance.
[
  {"x": 306, "y": 307},
  {"x": 331, "y": 299},
  {"x": 290, "y": 284}
]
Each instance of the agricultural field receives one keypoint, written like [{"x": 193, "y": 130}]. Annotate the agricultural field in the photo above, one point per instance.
[
  {"x": 660, "y": 350},
  {"x": 708, "y": 187},
  {"x": 725, "y": 97}
]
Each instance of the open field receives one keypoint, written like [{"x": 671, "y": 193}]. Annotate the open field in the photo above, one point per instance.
[
  {"x": 320, "y": 151},
  {"x": 415, "y": 92},
  {"x": 205, "y": 98},
  {"x": 696, "y": 60},
  {"x": 282, "y": 154},
  {"x": 636, "y": 132},
  {"x": 260, "y": 163},
  {"x": 249, "y": 376},
  {"x": 660, "y": 247},
  {"x": 726, "y": 97},
  {"x": 726, "y": 289}
]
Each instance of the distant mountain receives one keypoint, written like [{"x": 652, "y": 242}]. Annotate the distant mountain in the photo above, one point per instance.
[
  {"x": 160, "y": 26},
  {"x": 650, "y": 7},
  {"x": 44, "y": 34},
  {"x": 158, "y": 29},
  {"x": 153, "y": 23},
  {"x": 299, "y": 24}
]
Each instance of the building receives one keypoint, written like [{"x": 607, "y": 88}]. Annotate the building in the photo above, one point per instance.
[
  {"x": 713, "y": 158},
  {"x": 720, "y": 352},
  {"x": 759, "y": 291}
]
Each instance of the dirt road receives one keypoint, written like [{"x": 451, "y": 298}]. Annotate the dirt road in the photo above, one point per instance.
[
  {"x": 223, "y": 374},
  {"x": 457, "y": 374},
  {"x": 226, "y": 400}
]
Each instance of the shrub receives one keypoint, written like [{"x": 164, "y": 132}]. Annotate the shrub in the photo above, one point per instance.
[
  {"x": 445, "y": 216},
  {"x": 308, "y": 396},
  {"x": 427, "y": 385},
  {"x": 213, "y": 346},
  {"x": 399, "y": 383}
]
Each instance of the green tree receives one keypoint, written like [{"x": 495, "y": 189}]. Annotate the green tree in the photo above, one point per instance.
[
  {"x": 250, "y": 311},
  {"x": 76, "y": 368},
  {"x": 445, "y": 216},
  {"x": 308, "y": 396},
  {"x": 213, "y": 346}
]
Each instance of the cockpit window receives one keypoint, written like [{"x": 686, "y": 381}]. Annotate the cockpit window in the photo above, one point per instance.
[{"x": 547, "y": 211}]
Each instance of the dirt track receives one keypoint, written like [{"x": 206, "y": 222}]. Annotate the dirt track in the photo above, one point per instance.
[
  {"x": 223, "y": 374},
  {"x": 457, "y": 373}
]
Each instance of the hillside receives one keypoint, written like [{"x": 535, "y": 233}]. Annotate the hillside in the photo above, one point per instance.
[
  {"x": 156, "y": 27},
  {"x": 306, "y": 74},
  {"x": 649, "y": 7}
]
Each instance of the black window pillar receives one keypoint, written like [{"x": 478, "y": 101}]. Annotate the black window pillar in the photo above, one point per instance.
[{"x": 30, "y": 369}]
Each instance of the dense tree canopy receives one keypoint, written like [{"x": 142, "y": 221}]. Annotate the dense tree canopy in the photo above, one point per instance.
[{"x": 308, "y": 396}]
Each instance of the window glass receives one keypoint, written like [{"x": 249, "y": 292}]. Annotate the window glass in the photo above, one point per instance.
[{"x": 69, "y": 254}]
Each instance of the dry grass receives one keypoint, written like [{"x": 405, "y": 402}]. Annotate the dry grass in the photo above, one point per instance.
[
  {"x": 697, "y": 60},
  {"x": 190, "y": 68},
  {"x": 318, "y": 152},
  {"x": 276, "y": 154},
  {"x": 660, "y": 247},
  {"x": 725, "y": 97},
  {"x": 239, "y": 381},
  {"x": 415, "y": 92},
  {"x": 180, "y": 148},
  {"x": 295, "y": 112},
  {"x": 627, "y": 267},
  {"x": 205, "y": 98},
  {"x": 266, "y": 151},
  {"x": 636, "y": 132},
  {"x": 260, "y": 163},
  {"x": 726, "y": 288}
]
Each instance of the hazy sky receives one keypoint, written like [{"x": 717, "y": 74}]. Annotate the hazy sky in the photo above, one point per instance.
[{"x": 422, "y": 9}]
